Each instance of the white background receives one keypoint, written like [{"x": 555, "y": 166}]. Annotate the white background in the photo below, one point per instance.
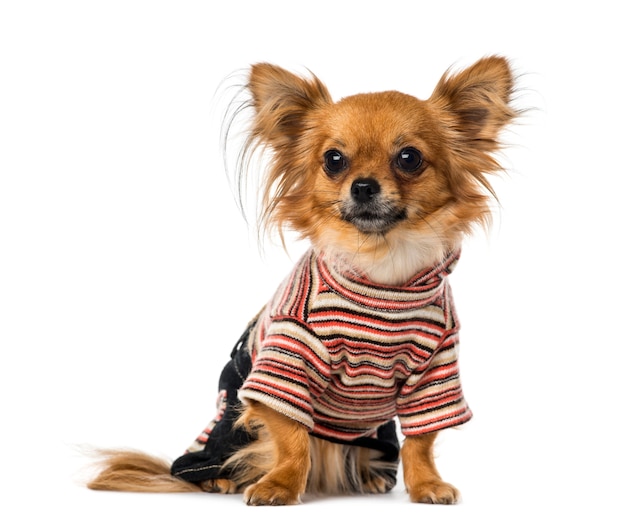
[{"x": 127, "y": 272}]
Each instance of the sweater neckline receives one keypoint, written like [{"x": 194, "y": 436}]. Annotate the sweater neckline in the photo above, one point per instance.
[{"x": 424, "y": 288}]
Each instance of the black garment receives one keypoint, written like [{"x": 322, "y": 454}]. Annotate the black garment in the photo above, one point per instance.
[{"x": 225, "y": 439}]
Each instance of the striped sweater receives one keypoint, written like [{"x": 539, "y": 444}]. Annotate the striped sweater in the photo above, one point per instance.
[{"x": 342, "y": 355}]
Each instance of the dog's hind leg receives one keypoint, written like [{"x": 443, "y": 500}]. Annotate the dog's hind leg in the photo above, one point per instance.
[
  {"x": 347, "y": 469},
  {"x": 221, "y": 486}
]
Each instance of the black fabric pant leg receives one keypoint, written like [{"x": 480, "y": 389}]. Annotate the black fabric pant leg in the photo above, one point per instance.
[{"x": 224, "y": 439}]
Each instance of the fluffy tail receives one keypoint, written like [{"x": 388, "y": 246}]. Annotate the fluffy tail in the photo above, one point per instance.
[{"x": 132, "y": 471}]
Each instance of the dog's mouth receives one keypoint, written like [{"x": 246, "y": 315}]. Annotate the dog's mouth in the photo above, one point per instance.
[{"x": 373, "y": 219}]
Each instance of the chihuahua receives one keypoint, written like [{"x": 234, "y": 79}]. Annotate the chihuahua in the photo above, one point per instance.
[{"x": 362, "y": 335}]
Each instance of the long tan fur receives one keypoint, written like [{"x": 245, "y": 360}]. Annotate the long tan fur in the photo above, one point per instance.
[{"x": 133, "y": 471}]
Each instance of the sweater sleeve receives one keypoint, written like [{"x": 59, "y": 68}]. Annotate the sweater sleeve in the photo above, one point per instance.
[
  {"x": 432, "y": 400},
  {"x": 290, "y": 370}
]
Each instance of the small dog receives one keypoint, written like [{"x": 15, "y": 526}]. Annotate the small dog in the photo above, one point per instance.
[{"x": 363, "y": 333}]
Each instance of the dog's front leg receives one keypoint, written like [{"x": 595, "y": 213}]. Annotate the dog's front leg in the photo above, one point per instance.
[
  {"x": 421, "y": 478},
  {"x": 286, "y": 480}
]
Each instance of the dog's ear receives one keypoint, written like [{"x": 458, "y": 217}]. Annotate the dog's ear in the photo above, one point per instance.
[
  {"x": 282, "y": 101},
  {"x": 478, "y": 101}
]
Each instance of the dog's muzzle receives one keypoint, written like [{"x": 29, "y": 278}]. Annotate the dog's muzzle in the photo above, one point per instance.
[{"x": 368, "y": 211}]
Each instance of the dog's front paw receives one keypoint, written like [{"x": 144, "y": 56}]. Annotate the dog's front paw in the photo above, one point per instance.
[
  {"x": 435, "y": 491},
  {"x": 269, "y": 492}
]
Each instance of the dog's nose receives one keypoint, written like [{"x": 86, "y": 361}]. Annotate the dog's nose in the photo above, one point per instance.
[{"x": 364, "y": 189}]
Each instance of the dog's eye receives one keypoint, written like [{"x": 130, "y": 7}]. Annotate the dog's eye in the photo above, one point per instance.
[
  {"x": 334, "y": 162},
  {"x": 409, "y": 159}
]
